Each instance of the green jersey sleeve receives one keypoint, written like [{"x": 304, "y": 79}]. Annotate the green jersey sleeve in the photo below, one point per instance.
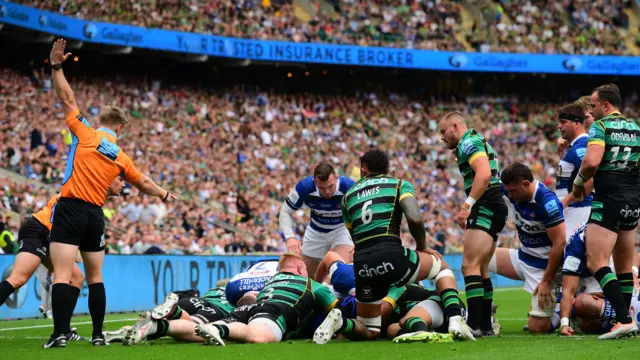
[
  {"x": 597, "y": 134},
  {"x": 470, "y": 149},
  {"x": 406, "y": 189},
  {"x": 323, "y": 296},
  {"x": 394, "y": 294}
]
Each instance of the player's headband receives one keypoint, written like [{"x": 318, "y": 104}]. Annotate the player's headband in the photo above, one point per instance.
[{"x": 570, "y": 117}]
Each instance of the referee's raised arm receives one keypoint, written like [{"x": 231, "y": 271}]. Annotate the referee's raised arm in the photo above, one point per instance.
[{"x": 60, "y": 84}]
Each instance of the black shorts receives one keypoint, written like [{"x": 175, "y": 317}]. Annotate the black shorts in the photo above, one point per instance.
[
  {"x": 201, "y": 311},
  {"x": 240, "y": 314},
  {"x": 489, "y": 213},
  {"x": 615, "y": 212},
  {"x": 33, "y": 238},
  {"x": 283, "y": 315},
  {"x": 78, "y": 223},
  {"x": 380, "y": 266}
]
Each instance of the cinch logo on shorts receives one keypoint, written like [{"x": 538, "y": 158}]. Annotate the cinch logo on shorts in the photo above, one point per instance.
[
  {"x": 626, "y": 212},
  {"x": 379, "y": 270}
]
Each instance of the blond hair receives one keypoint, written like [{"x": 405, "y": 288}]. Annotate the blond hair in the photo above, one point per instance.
[
  {"x": 584, "y": 102},
  {"x": 113, "y": 115}
]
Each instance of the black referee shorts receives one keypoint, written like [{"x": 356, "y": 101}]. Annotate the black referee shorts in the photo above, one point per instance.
[
  {"x": 78, "y": 223},
  {"x": 34, "y": 238}
]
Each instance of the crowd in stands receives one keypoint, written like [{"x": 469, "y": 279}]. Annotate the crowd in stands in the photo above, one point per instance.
[
  {"x": 233, "y": 156},
  {"x": 523, "y": 26},
  {"x": 584, "y": 27}
]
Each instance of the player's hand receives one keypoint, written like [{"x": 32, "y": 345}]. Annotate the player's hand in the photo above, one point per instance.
[
  {"x": 57, "y": 55},
  {"x": 562, "y": 145},
  {"x": 566, "y": 331},
  {"x": 293, "y": 245},
  {"x": 579, "y": 192},
  {"x": 544, "y": 294},
  {"x": 432, "y": 252},
  {"x": 462, "y": 216},
  {"x": 169, "y": 197}
]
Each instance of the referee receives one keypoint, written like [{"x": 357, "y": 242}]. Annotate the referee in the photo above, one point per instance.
[{"x": 78, "y": 222}]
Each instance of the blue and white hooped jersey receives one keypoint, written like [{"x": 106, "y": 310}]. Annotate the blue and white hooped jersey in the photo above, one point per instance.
[
  {"x": 575, "y": 254},
  {"x": 568, "y": 170},
  {"x": 326, "y": 214},
  {"x": 253, "y": 279},
  {"x": 533, "y": 218},
  {"x": 343, "y": 278}
]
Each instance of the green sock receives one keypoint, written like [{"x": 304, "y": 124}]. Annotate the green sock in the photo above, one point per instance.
[
  {"x": 162, "y": 330},
  {"x": 176, "y": 314},
  {"x": 414, "y": 324},
  {"x": 347, "y": 326}
]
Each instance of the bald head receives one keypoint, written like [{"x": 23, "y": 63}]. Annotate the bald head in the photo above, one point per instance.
[{"x": 452, "y": 127}]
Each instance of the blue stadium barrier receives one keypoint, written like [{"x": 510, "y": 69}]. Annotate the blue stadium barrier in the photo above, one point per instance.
[
  {"x": 166, "y": 40},
  {"x": 139, "y": 282}
]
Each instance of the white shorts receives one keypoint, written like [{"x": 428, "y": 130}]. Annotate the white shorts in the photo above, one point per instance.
[
  {"x": 316, "y": 244},
  {"x": 574, "y": 217},
  {"x": 530, "y": 275},
  {"x": 589, "y": 285}
]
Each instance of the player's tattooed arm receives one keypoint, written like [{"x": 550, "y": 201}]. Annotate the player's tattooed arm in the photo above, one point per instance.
[
  {"x": 361, "y": 332},
  {"x": 411, "y": 211}
]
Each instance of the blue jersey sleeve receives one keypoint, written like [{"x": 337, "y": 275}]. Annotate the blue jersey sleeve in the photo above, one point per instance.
[
  {"x": 345, "y": 184},
  {"x": 343, "y": 278},
  {"x": 296, "y": 197},
  {"x": 551, "y": 211},
  {"x": 575, "y": 260}
]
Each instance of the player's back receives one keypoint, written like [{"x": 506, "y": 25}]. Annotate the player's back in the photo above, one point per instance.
[
  {"x": 217, "y": 297},
  {"x": 253, "y": 279},
  {"x": 532, "y": 219},
  {"x": 288, "y": 289},
  {"x": 373, "y": 208},
  {"x": 326, "y": 214},
  {"x": 618, "y": 170},
  {"x": 568, "y": 169}
]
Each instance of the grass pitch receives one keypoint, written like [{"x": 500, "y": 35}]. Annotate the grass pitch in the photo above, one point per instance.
[{"x": 23, "y": 339}]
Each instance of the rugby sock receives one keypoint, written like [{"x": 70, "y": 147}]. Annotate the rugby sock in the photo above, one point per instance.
[
  {"x": 626, "y": 285},
  {"x": 223, "y": 329},
  {"x": 475, "y": 294},
  {"x": 161, "y": 329},
  {"x": 451, "y": 302},
  {"x": 61, "y": 301},
  {"x": 611, "y": 287},
  {"x": 414, "y": 324},
  {"x": 6, "y": 289},
  {"x": 176, "y": 314},
  {"x": 347, "y": 326},
  {"x": 487, "y": 301},
  {"x": 97, "y": 307},
  {"x": 75, "y": 293}
]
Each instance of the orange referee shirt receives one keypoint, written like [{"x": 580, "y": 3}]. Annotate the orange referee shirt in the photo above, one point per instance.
[
  {"x": 45, "y": 214},
  {"x": 94, "y": 161}
]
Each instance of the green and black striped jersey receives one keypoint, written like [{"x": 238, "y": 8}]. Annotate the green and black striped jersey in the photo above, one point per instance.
[
  {"x": 471, "y": 147},
  {"x": 218, "y": 297},
  {"x": 620, "y": 137},
  {"x": 371, "y": 208},
  {"x": 299, "y": 292}
]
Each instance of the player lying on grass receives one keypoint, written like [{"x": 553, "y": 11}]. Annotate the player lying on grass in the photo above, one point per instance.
[
  {"x": 177, "y": 318},
  {"x": 594, "y": 312},
  {"x": 283, "y": 309}
]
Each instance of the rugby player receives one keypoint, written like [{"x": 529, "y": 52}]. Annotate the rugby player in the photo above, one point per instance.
[
  {"x": 541, "y": 231},
  {"x": 78, "y": 222},
  {"x": 247, "y": 284},
  {"x": 322, "y": 193},
  {"x": 177, "y": 317},
  {"x": 571, "y": 125},
  {"x": 284, "y": 306},
  {"x": 341, "y": 275},
  {"x": 483, "y": 215},
  {"x": 611, "y": 160},
  {"x": 372, "y": 211}
]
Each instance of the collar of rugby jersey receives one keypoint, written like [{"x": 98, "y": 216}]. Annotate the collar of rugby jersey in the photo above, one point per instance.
[
  {"x": 578, "y": 137},
  {"x": 109, "y": 131}
]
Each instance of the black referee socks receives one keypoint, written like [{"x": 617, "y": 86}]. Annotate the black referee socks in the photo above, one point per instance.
[
  {"x": 6, "y": 289},
  {"x": 61, "y": 304},
  {"x": 97, "y": 307}
]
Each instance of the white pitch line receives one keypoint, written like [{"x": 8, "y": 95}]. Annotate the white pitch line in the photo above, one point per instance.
[{"x": 50, "y": 325}]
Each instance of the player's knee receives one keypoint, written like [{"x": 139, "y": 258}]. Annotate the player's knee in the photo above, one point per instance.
[
  {"x": 261, "y": 336},
  {"x": 17, "y": 280},
  {"x": 392, "y": 330},
  {"x": 77, "y": 278},
  {"x": 539, "y": 325}
]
